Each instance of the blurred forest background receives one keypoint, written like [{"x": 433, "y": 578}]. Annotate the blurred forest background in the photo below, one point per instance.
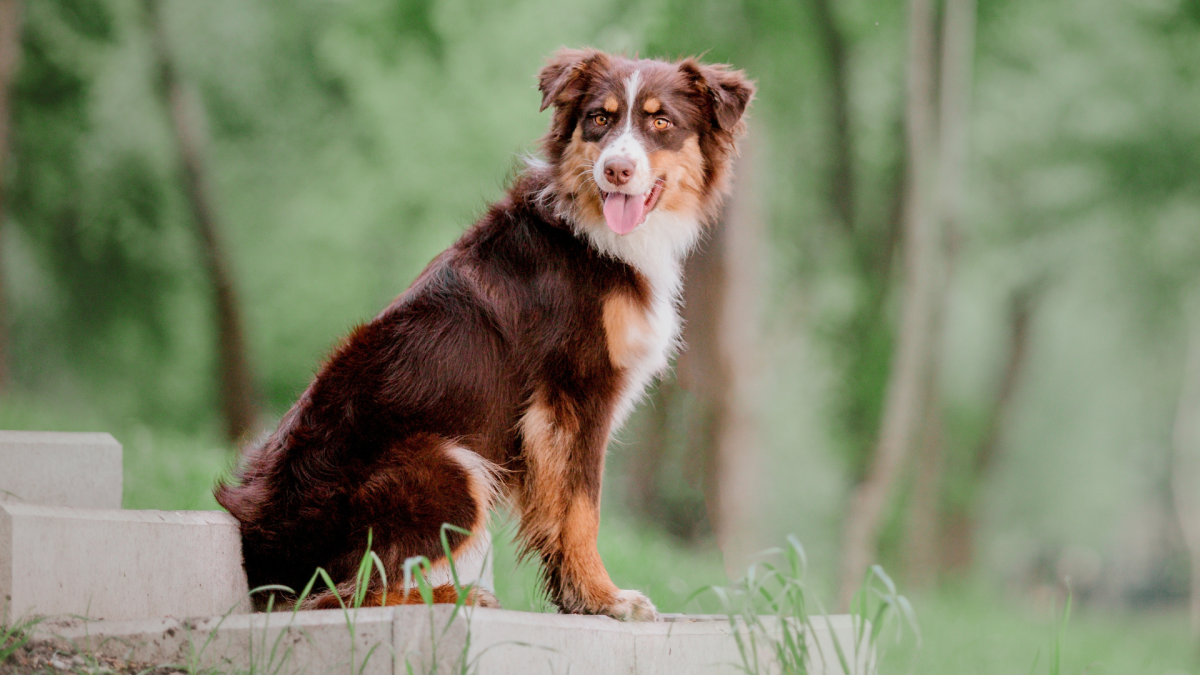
[{"x": 950, "y": 321}]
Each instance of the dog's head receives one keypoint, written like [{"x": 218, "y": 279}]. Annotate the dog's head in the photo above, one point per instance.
[{"x": 633, "y": 138}]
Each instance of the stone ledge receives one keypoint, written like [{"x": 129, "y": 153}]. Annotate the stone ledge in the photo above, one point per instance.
[
  {"x": 117, "y": 564},
  {"x": 114, "y": 564},
  {"x": 60, "y": 469},
  {"x": 496, "y": 642}
]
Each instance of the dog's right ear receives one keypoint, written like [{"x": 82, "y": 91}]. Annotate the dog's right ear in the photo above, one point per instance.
[{"x": 566, "y": 75}]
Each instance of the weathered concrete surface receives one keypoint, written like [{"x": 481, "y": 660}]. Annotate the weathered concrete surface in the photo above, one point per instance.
[
  {"x": 388, "y": 641},
  {"x": 113, "y": 564},
  {"x": 281, "y": 642},
  {"x": 522, "y": 643},
  {"x": 60, "y": 469},
  {"x": 505, "y": 642}
]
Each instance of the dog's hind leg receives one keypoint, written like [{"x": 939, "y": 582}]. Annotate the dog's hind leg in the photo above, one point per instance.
[{"x": 419, "y": 487}]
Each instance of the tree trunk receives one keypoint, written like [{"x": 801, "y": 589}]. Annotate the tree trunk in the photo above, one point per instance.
[
  {"x": 10, "y": 51},
  {"x": 902, "y": 408},
  {"x": 961, "y": 524},
  {"x": 237, "y": 397},
  {"x": 1185, "y": 479},
  {"x": 842, "y": 178},
  {"x": 954, "y": 94},
  {"x": 922, "y": 529},
  {"x": 724, "y": 288}
]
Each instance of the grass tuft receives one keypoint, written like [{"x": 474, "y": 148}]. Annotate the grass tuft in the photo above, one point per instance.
[
  {"x": 772, "y": 611},
  {"x": 15, "y": 636}
]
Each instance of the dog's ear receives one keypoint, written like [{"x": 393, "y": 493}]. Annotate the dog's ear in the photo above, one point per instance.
[
  {"x": 566, "y": 75},
  {"x": 727, "y": 92}
]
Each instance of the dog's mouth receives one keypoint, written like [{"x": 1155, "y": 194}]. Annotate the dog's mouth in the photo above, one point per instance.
[{"x": 624, "y": 212}]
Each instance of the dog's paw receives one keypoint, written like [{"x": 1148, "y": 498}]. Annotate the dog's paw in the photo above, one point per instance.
[{"x": 632, "y": 606}]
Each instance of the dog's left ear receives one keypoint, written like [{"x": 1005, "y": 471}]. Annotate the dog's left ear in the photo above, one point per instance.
[
  {"x": 563, "y": 80},
  {"x": 726, "y": 91}
]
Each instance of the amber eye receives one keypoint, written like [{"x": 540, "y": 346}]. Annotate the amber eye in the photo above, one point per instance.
[
  {"x": 601, "y": 120},
  {"x": 662, "y": 123}
]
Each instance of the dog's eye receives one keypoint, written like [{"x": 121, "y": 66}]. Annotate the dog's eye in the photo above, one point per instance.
[
  {"x": 662, "y": 123},
  {"x": 601, "y": 120}
]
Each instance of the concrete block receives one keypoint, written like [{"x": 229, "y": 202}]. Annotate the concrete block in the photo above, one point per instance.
[
  {"x": 840, "y": 627},
  {"x": 548, "y": 644},
  {"x": 280, "y": 642},
  {"x": 390, "y": 641},
  {"x": 312, "y": 642},
  {"x": 684, "y": 644},
  {"x": 60, "y": 469},
  {"x": 429, "y": 639},
  {"x": 502, "y": 642},
  {"x": 113, "y": 564}
]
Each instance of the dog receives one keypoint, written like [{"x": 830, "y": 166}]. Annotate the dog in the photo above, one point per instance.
[{"x": 509, "y": 362}]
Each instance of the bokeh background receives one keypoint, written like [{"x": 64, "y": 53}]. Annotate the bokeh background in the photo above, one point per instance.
[{"x": 949, "y": 322}]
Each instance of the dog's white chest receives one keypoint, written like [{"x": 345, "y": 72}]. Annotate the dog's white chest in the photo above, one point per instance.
[
  {"x": 662, "y": 319},
  {"x": 641, "y": 339}
]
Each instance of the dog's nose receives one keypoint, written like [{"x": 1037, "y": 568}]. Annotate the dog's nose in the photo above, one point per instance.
[{"x": 618, "y": 170}]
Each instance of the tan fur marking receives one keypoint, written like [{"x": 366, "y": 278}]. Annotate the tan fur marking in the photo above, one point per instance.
[
  {"x": 574, "y": 179},
  {"x": 652, "y": 105},
  {"x": 548, "y": 434},
  {"x": 625, "y": 326},
  {"x": 580, "y": 557},
  {"x": 684, "y": 172},
  {"x": 611, "y": 104},
  {"x": 442, "y": 595}
]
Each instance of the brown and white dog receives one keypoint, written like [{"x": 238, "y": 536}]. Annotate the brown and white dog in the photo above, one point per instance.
[{"x": 506, "y": 366}]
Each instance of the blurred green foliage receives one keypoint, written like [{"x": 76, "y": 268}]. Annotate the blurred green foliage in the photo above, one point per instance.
[{"x": 350, "y": 142}]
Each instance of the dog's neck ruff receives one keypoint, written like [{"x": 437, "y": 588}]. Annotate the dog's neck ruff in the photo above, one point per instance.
[{"x": 656, "y": 249}]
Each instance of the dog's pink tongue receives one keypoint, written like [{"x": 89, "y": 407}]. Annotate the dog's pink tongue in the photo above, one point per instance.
[{"x": 623, "y": 212}]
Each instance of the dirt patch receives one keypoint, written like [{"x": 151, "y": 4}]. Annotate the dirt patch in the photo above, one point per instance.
[{"x": 45, "y": 658}]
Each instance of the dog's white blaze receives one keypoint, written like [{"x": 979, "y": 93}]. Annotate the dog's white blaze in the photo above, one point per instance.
[
  {"x": 632, "y": 84},
  {"x": 629, "y": 146}
]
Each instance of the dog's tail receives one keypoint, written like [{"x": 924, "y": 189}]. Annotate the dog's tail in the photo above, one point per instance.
[{"x": 447, "y": 594}]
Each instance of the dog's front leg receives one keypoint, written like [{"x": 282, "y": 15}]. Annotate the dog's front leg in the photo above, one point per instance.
[{"x": 559, "y": 498}]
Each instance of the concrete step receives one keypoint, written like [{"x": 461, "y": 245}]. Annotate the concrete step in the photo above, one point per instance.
[
  {"x": 114, "y": 564},
  {"x": 98, "y": 561},
  {"x": 388, "y": 641},
  {"x": 117, "y": 564},
  {"x": 60, "y": 469}
]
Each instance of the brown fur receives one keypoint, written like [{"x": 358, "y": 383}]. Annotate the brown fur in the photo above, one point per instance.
[{"x": 500, "y": 368}]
